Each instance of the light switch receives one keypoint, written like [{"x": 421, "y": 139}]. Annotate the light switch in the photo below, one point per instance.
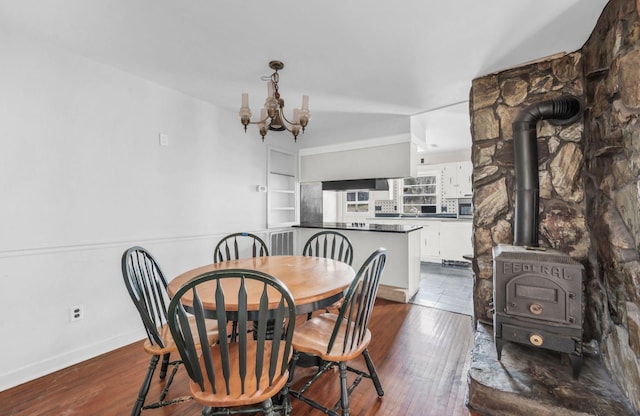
[{"x": 164, "y": 139}]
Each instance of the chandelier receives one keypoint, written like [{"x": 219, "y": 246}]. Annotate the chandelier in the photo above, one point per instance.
[{"x": 272, "y": 114}]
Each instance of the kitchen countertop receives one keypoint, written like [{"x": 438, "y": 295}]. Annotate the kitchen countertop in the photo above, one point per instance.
[
  {"x": 361, "y": 226},
  {"x": 439, "y": 217}
]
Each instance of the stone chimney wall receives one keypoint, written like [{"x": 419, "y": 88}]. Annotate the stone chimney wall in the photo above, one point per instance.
[
  {"x": 611, "y": 61},
  {"x": 495, "y": 101},
  {"x": 589, "y": 179}
]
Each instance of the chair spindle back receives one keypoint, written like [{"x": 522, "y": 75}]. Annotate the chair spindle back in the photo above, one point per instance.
[
  {"x": 331, "y": 245},
  {"x": 358, "y": 302},
  {"x": 251, "y": 362},
  {"x": 229, "y": 249},
  {"x": 147, "y": 287}
]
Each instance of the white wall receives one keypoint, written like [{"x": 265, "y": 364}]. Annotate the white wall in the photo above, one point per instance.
[
  {"x": 83, "y": 177},
  {"x": 426, "y": 159},
  {"x": 333, "y": 128}
]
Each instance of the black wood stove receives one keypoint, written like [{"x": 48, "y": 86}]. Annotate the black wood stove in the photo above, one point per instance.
[
  {"x": 537, "y": 297},
  {"x": 537, "y": 292}
]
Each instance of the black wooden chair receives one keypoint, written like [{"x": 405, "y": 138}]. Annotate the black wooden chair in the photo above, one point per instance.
[
  {"x": 331, "y": 245},
  {"x": 147, "y": 287},
  {"x": 242, "y": 376},
  {"x": 238, "y": 245},
  {"x": 339, "y": 338}
]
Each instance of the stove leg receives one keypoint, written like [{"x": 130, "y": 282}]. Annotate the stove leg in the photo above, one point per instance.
[
  {"x": 576, "y": 363},
  {"x": 499, "y": 344}
]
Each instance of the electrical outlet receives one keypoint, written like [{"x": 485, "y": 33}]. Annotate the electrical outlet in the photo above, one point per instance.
[{"x": 76, "y": 313}]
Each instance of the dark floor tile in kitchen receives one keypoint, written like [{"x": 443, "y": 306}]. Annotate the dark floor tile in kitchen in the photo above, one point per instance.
[{"x": 448, "y": 288}]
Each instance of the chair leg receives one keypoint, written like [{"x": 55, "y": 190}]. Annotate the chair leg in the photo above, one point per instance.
[
  {"x": 286, "y": 400},
  {"x": 344, "y": 391},
  {"x": 176, "y": 365},
  {"x": 137, "y": 408},
  {"x": 373, "y": 373},
  {"x": 164, "y": 366},
  {"x": 292, "y": 368},
  {"x": 286, "y": 403},
  {"x": 267, "y": 408}
]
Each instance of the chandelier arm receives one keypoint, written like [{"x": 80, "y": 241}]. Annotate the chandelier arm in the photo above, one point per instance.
[
  {"x": 259, "y": 121},
  {"x": 283, "y": 124},
  {"x": 290, "y": 130},
  {"x": 287, "y": 120}
]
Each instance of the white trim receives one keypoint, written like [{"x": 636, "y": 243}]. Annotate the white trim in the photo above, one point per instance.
[{"x": 31, "y": 251}]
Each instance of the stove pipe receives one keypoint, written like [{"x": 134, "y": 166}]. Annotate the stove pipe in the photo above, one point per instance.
[{"x": 565, "y": 110}]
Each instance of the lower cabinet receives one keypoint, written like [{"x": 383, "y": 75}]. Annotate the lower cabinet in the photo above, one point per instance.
[
  {"x": 440, "y": 240},
  {"x": 430, "y": 241},
  {"x": 455, "y": 240}
]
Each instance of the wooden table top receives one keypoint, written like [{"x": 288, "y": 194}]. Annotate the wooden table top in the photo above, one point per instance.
[{"x": 314, "y": 282}]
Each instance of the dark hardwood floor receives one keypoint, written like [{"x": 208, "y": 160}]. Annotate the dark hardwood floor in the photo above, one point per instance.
[{"x": 421, "y": 355}]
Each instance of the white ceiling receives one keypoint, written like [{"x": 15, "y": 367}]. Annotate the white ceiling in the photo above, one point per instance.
[{"x": 367, "y": 58}]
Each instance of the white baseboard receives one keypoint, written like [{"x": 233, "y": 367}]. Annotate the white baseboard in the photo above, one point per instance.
[
  {"x": 58, "y": 362},
  {"x": 395, "y": 294}
]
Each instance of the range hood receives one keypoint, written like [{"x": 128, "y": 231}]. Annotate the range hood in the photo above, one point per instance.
[{"x": 369, "y": 184}]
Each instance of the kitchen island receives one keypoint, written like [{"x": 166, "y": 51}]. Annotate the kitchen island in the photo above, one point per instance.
[
  {"x": 445, "y": 238},
  {"x": 401, "y": 277}
]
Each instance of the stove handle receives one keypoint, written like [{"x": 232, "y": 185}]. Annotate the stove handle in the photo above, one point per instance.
[
  {"x": 536, "y": 339},
  {"x": 536, "y": 308}
]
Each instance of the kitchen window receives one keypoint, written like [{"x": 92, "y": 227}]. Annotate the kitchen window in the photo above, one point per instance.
[
  {"x": 357, "y": 201},
  {"x": 420, "y": 194}
]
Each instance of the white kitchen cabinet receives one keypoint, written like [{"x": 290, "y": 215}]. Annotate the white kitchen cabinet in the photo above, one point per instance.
[
  {"x": 430, "y": 241},
  {"x": 456, "y": 180},
  {"x": 440, "y": 239},
  {"x": 465, "y": 183},
  {"x": 455, "y": 240},
  {"x": 420, "y": 192},
  {"x": 449, "y": 181}
]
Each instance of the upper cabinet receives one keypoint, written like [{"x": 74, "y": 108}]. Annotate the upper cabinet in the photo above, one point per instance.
[
  {"x": 456, "y": 180},
  {"x": 420, "y": 194}
]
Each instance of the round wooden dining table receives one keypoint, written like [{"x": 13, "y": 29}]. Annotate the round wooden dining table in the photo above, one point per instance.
[{"x": 314, "y": 282}]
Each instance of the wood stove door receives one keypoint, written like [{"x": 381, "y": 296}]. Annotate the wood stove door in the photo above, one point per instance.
[{"x": 536, "y": 296}]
